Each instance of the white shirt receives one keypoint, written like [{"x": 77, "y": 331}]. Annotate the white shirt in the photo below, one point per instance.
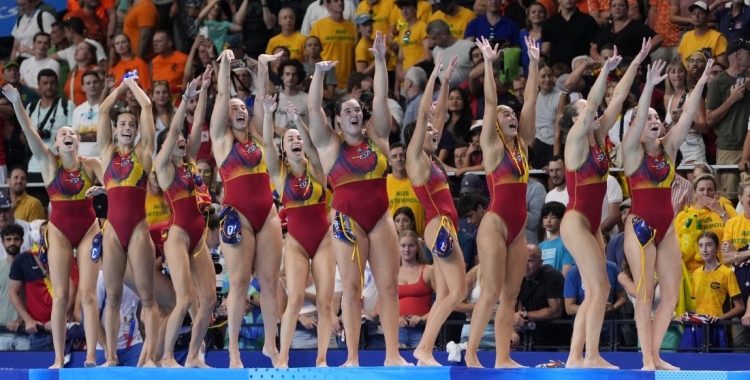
[
  {"x": 84, "y": 122},
  {"x": 129, "y": 327},
  {"x": 25, "y": 29},
  {"x": 31, "y": 67},
  {"x": 614, "y": 195},
  {"x": 27, "y": 244},
  {"x": 68, "y": 53},
  {"x": 461, "y": 49},
  {"x": 56, "y": 120},
  {"x": 316, "y": 12}
]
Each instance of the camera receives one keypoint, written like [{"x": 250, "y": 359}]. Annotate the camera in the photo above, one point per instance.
[
  {"x": 367, "y": 96},
  {"x": 44, "y": 133},
  {"x": 215, "y": 257}
]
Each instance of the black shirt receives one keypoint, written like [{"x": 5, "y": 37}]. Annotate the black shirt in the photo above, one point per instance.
[
  {"x": 549, "y": 283},
  {"x": 255, "y": 35},
  {"x": 628, "y": 40},
  {"x": 569, "y": 38}
]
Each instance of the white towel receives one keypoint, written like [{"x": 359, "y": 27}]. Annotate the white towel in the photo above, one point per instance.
[{"x": 454, "y": 351}]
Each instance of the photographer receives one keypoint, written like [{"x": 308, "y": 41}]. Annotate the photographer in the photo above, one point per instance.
[
  {"x": 48, "y": 115},
  {"x": 359, "y": 86}
]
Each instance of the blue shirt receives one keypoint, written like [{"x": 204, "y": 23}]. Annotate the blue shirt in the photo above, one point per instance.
[
  {"x": 733, "y": 27},
  {"x": 574, "y": 285},
  {"x": 504, "y": 29},
  {"x": 525, "y": 51},
  {"x": 555, "y": 254},
  {"x": 616, "y": 249}
]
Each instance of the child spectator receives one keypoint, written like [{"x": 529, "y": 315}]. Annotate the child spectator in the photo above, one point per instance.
[{"x": 554, "y": 252}]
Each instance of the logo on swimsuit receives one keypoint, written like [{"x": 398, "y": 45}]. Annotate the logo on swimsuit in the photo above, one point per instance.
[
  {"x": 363, "y": 153},
  {"x": 73, "y": 178},
  {"x": 186, "y": 174},
  {"x": 302, "y": 182},
  {"x": 715, "y": 285},
  {"x": 250, "y": 147},
  {"x": 658, "y": 165},
  {"x": 600, "y": 157}
]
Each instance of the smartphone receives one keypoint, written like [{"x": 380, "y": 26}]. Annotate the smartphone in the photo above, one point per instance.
[
  {"x": 740, "y": 80},
  {"x": 203, "y": 31}
]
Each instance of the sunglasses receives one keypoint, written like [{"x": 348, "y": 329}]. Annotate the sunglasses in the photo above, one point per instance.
[{"x": 406, "y": 36}]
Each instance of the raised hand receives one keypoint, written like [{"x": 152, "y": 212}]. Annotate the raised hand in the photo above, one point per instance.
[
  {"x": 94, "y": 191},
  {"x": 378, "y": 48},
  {"x": 206, "y": 78},
  {"x": 109, "y": 81},
  {"x": 266, "y": 58},
  {"x": 269, "y": 103},
  {"x": 645, "y": 50},
  {"x": 451, "y": 66},
  {"x": 325, "y": 65},
  {"x": 12, "y": 94},
  {"x": 704, "y": 78},
  {"x": 653, "y": 76},
  {"x": 612, "y": 62},
  {"x": 292, "y": 111},
  {"x": 226, "y": 56},
  {"x": 130, "y": 75},
  {"x": 532, "y": 48},
  {"x": 192, "y": 88},
  {"x": 490, "y": 53},
  {"x": 438, "y": 65}
]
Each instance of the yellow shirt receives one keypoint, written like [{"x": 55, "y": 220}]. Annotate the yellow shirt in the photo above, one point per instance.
[
  {"x": 401, "y": 194},
  {"x": 710, "y": 290},
  {"x": 295, "y": 43},
  {"x": 157, "y": 209},
  {"x": 712, "y": 42},
  {"x": 338, "y": 39},
  {"x": 737, "y": 231},
  {"x": 424, "y": 12},
  {"x": 710, "y": 221},
  {"x": 362, "y": 51},
  {"x": 381, "y": 14},
  {"x": 28, "y": 208},
  {"x": 410, "y": 39},
  {"x": 457, "y": 23}
]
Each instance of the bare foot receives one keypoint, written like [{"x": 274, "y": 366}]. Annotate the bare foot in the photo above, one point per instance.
[
  {"x": 664, "y": 366},
  {"x": 425, "y": 359},
  {"x": 272, "y": 354},
  {"x": 351, "y": 363},
  {"x": 574, "y": 363},
  {"x": 648, "y": 368},
  {"x": 195, "y": 364},
  {"x": 109, "y": 363},
  {"x": 598, "y": 362},
  {"x": 398, "y": 361},
  {"x": 321, "y": 364},
  {"x": 472, "y": 361},
  {"x": 281, "y": 363},
  {"x": 151, "y": 364},
  {"x": 56, "y": 366},
  {"x": 89, "y": 364},
  {"x": 508, "y": 364},
  {"x": 169, "y": 363}
]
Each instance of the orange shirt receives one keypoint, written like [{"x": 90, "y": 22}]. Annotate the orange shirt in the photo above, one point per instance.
[
  {"x": 142, "y": 15},
  {"x": 122, "y": 67},
  {"x": 76, "y": 76},
  {"x": 170, "y": 69},
  {"x": 96, "y": 27},
  {"x": 101, "y": 10}
]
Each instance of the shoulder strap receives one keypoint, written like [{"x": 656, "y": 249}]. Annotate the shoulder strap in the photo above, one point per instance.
[
  {"x": 39, "y": 20},
  {"x": 65, "y": 106},
  {"x": 32, "y": 106}
]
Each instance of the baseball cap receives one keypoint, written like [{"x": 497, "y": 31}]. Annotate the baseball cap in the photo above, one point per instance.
[
  {"x": 471, "y": 184},
  {"x": 10, "y": 64},
  {"x": 5, "y": 202},
  {"x": 363, "y": 18},
  {"x": 476, "y": 127},
  {"x": 737, "y": 45},
  {"x": 626, "y": 204},
  {"x": 699, "y": 4}
]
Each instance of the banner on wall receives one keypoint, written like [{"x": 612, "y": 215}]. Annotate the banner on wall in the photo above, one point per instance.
[{"x": 9, "y": 14}]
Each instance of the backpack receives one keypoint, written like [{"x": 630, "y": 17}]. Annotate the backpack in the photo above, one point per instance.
[{"x": 42, "y": 8}]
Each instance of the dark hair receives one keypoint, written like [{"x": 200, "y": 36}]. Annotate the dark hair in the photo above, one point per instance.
[
  {"x": 161, "y": 138},
  {"x": 12, "y": 229},
  {"x": 76, "y": 25},
  {"x": 400, "y": 4},
  {"x": 340, "y": 103},
  {"x": 89, "y": 73},
  {"x": 468, "y": 203},
  {"x": 166, "y": 32},
  {"x": 528, "y": 8},
  {"x": 566, "y": 120},
  {"x": 397, "y": 144},
  {"x": 606, "y": 47},
  {"x": 19, "y": 167},
  {"x": 42, "y": 34},
  {"x": 58, "y": 24},
  {"x": 213, "y": 221},
  {"x": 284, "y": 48},
  {"x": 463, "y": 125},
  {"x": 409, "y": 213},
  {"x": 297, "y": 65},
  {"x": 706, "y": 234},
  {"x": 557, "y": 157},
  {"x": 556, "y": 209},
  {"x": 354, "y": 80},
  {"x": 409, "y": 132},
  {"x": 46, "y": 73}
]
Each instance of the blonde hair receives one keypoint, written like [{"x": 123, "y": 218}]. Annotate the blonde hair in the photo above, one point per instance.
[
  {"x": 420, "y": 244},
  {"x": 704, "y": 177}
]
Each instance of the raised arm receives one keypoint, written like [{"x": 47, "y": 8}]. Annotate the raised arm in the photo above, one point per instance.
[
  {"x": 679, "y": 132},
  {"x": 416, "y": 159},
  {"x": 631, "y": 142},
  {"x": 272, "y": 162},
  {"x": 164, "y": 157},
  {"x": 321, "y": 134},
  {"x": 194, "y": 139},
  {"x": 380, "y": 109},
  {"x": 489, "y": 136},
  {"x": 148, "y": 130},
  {"x": 37, "y": 146},
  {"x": 614, "y": 108},
  {"x": 527, "y": 121},
  {"x": 585, "y": 119},
  {"x": 438, "y": 114},
  {"x": 104, "y": 124},
  {"x": 218, "y": 129},
  {"x": 304, "y": 132},
  {"x": 261, "y": 85}
]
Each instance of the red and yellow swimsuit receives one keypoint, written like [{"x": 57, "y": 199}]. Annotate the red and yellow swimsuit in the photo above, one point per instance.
[
  {"x": 72, "y": 213},
  {"x": 125, "y": 181},
  {"x": 507, "y": 185},
  {"x": 304, "y": 200},
  {"x": 651, "y": 192},
  {"x": 186, "y": 215},
  {"x": 587, "y": 187}
]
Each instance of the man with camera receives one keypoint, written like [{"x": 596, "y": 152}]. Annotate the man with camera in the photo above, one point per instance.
[{"x": 48, "y": 115}]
